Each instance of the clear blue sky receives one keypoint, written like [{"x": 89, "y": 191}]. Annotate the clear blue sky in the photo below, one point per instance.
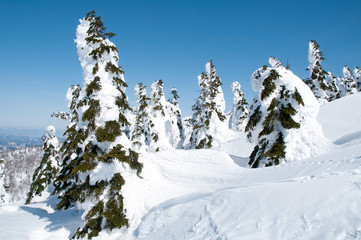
[{"x": 168, "y": 40}]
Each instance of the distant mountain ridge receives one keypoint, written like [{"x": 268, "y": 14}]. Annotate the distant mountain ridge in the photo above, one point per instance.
[{"x": 16, "y": 138}]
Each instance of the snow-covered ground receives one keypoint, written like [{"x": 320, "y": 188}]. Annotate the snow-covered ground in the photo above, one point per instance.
[{"x": 211, "y": 194}]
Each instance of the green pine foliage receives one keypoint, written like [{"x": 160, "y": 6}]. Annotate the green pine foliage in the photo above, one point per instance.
[
  {"x": 253, "y": 120},
  {"x": 271, "y": 147},
  {"x": 176, "y": 112},
  {"x": 157, "y": 105},
  {"x": 317, "y": 80},
  {"x": 48, "y": 170},
  {"x": 334, "y": 87},
  {"x": 269, "y": 84},
  {"x": 206, "y": 108},
  {"x": 109, "y": 132},
  {"x": 89, "y": 145},
  {"x": 94, "y": 86},
  {"x": 141, "y": 133}
]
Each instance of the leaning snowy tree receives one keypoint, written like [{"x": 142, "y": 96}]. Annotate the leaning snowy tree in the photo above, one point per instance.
[
  {"x": 141, "y": 133},
  {"x": 317, "y": 80},
  {"x": 49, "y": 167},
  {"x": 96, "y": 152},
  {"x": 283, "y": 115},
  {"x": 347, "y": 83},
  {"x": 239, "y": 116},
  {"x": 208, "y": 112},
  {"x": 333, "y": 90}
]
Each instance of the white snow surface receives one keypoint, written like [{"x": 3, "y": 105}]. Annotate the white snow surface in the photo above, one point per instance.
[
  {"x": 211, "y": 194},
  {"x": 345, "y": 126}
]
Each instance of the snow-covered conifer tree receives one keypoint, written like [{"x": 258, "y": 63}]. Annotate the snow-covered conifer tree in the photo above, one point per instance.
[
  {"x": 208, "y": 112},
  {"x": 239, "y": 116},
  {"x": 357, "y": 76},
  {"x": 333, "y": 90},
  {"x": 96, "y": 152},
  {"x": 49, "y": 167},
  {"x": 3, "y": 190},
  {"x": 317, "y": 81},
  {"x": 157, "y": 105},
  {"x": 175, "y": 113},
  {"x": 282, "y": 120},
  {"x": 347, "y": 84},
  {"x": 163, "y": 123},
  {"x": 141, "y": 132}
]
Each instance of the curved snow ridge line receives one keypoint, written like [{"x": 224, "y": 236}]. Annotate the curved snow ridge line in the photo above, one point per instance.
[
  {"x": 349, "y": 139},
  {"x": 178, "y": 217},
  {"x": 188, "y": 198},
  {"x": 200, "y": 229}
]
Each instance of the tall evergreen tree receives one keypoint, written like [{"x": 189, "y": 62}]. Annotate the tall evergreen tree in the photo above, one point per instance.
[
  {"x": 175, "y": 113},
  {"x": 164, "y": 130},
  {"x": 96, "y": 151},
  {"x": 208, "y": 111},
  {"x": 317, "y": 80},
  {"x": 157, "y": 105},
  {"x": 141, "y": 132},
  {"x": 239, "y": 116},
  {"x": 282, "y": 121},
  {"x": 334, "y": 90},
  {"x": 49, "y": 167},
  {"x": 3, "y": 188},
  {"x": 347, "y": 83},
  {"x": 357, "y": 75}
]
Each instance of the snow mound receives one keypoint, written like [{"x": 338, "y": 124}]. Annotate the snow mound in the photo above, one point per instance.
[
  {"x": 341, "y": 119},
  {"x": 303, "y": 142},
  {"x": 204, "y": 194}
]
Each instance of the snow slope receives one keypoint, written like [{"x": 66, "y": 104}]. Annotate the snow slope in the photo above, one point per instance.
[
  {"x": 341, "y": 119},
  {"x": 204, "y": 194}
]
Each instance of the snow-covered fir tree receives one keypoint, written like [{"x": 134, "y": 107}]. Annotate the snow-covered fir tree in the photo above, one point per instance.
[
  {"x": 357, "y": 76},
  {"x": 49, "y": 167},
  {"x": 333, "y": 91},
  {"x": 141, "y": 132},
  {"x": 96, "y": 152},
  {"x": 347, "y": 84},
  {"x": 157, "y": 114},
  {"x": 317, "y": 80},
  {"x": 208, "y": 117},
  {"x": 239, "y": 116},
  {"x": 163, "y": 126},
  {"x": 282, "y": 120},
  {"x": 3, "y": 189},
  {"x": 175, "y": 112}
]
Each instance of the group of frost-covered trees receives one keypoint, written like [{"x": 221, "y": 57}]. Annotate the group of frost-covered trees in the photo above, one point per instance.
[
  {"x": 105, "y": 135},
  {"x": 324, "y": 85}
]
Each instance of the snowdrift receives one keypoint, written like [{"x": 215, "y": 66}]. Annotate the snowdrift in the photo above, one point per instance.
[
  {"x": 341, "y": 119},
  {"x": 206, "y": 194}
]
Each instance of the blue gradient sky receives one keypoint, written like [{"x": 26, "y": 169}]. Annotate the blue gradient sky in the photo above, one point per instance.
[{"x": 168, "y": 40}]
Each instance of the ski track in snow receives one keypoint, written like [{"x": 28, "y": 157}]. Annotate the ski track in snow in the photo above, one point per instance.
[{"x": 212, "y": 194}]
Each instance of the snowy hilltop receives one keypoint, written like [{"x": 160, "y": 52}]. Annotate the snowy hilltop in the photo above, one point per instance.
[
  {"x": 207, "y": 194},
  {"x": 285, "y": 166}
]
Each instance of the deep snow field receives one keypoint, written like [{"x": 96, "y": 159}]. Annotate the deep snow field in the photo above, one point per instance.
[{"x": 212, "y": 194}]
